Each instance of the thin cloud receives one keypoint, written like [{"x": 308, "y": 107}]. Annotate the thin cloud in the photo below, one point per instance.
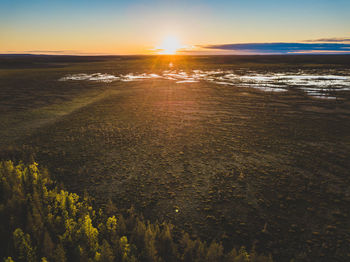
[
  {"x": 282, "y": 48},
  {"x": 35, "y": 52},
  {"x": 47, "y": 51},
  {"x": 58, "y": 52},
  {"x": 53, "y": 52},
  {"x": 329, "y": 40}
]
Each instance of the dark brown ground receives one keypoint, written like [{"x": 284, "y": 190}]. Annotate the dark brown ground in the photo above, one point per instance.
[{"x": 240, "y": 165}]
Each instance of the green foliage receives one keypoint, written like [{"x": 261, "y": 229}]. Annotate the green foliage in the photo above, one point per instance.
[
  {"x": 124, "y": 248},
  {"x": 111, "y": 223},
  {"x": 42, "y": 222},
  {"x": 23, "y": 247},
  {"x": 89, "y": 233}
]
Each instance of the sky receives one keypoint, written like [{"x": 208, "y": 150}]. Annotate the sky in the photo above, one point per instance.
[{"x": 124, "y": 27}]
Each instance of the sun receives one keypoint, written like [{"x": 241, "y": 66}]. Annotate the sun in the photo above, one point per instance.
[{"x": 169, "y": 46}]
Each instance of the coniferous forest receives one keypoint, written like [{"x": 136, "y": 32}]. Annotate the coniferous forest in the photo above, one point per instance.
[{"x": 40, "y": 221}]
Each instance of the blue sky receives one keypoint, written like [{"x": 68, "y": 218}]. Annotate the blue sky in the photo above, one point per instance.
[{"x": 133, "y": 27}]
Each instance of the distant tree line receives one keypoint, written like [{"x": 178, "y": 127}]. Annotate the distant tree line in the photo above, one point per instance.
[{"x": 40, "y": 221}]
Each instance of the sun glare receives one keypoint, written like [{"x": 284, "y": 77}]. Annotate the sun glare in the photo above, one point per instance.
[{"x": 169, "y": 46}]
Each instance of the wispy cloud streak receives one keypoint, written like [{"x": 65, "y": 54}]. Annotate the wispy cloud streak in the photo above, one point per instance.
[
  {"x": 329, "y": 40},
  {"x": 53, "y": 52}
]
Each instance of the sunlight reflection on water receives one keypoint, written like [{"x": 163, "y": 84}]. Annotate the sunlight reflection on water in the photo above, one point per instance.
[{"x": 320, "y": 86}]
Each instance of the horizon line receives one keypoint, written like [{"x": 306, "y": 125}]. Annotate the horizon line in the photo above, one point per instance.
[{"x": 182, "y": 54}]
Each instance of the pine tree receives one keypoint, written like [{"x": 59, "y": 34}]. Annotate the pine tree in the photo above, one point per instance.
[
  {"x": 124, "y": 248},
  {"x": 166, "y": 247},
  {"x": 23, "y": 246},
  {"x": 106, "y": 252},
  {"x": 215, "y": 252},
  {"x": 90, "y": 233},
  {"x": 150, "y": 248},
  {"x": 59, "y": 255}
]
